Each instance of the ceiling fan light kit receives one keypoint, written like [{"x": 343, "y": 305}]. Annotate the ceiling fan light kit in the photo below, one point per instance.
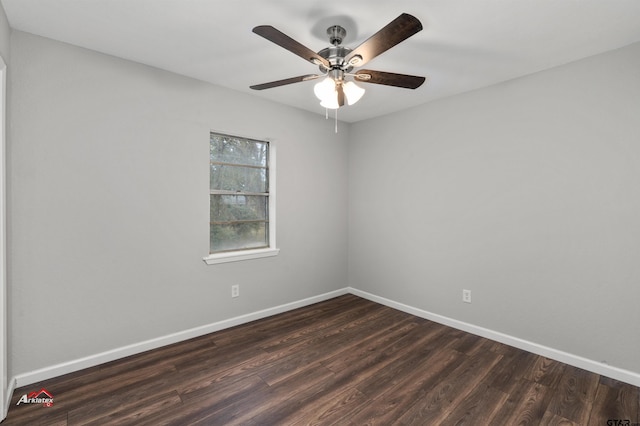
[
  {"x": 327, "y": 92},
  {"x": 337, "y": 62}
]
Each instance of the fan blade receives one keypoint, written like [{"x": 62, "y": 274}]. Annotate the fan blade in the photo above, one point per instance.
[
  {"x": 389, "y": 79},
  {"x": 283, "y": 40},
  {"x": 398, "y": 30},
  {"x": 285, "y": 82}
]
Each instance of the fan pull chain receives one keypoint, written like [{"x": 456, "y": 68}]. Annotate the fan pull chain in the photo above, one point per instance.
[{"x": 326, "y": 117}]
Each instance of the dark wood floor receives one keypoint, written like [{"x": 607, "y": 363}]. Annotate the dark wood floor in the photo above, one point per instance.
[{"x": 343, "y": 361}]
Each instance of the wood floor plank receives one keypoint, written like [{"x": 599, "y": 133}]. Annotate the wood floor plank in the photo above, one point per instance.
[
  {"x": 219, "y": 403},
  {"x": 615, "y": 401},
  {"x": 515, "y": 366},
  {"x": 468, "y": 343},
  {"x": 441, "y": 400},
  {"x": 389, "y": 394},
  {"x": 296, "y": 396},
  {"x": 316, "y": 325},
  {"x": 284, "y": 398},
  {"x": 324, "y": 345},
  {"x": 404, "y": 365},
  {"x": 551, "y": 419},
  {"x": 526, "y": 405},
  {"x": 131, "y": 414},
  {"x": 224, "y": 367},
  {"x": 575, "y": 394},
  {"x": 478, "y": 408},
  {"x": 372, "y": 345},
  {"x": 95, "y": 408},
  {"x": 87, "y": 392},
  {"x": 545, "y": 371},
  {"x": 390, "y": 402},
  {"x": 483, "y": 403},
  {"x": 345, "y": 361},
  {"x": 331, "y": 408},
  {"x": 375, "y": 366}
]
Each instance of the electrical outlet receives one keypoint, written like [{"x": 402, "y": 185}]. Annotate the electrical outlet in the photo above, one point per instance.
[
  {"x": 235, "y": 290},
  {"x": 466, "y": 296}
]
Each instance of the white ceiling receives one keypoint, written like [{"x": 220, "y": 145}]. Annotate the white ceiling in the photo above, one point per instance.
[{"x": 465, "y": 44}]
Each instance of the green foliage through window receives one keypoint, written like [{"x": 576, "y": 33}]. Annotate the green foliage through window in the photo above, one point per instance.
[{"x": 238, "y": 193}]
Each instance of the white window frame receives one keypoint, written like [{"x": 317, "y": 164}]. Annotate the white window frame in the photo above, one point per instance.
[{"x": 271, "y": 250}]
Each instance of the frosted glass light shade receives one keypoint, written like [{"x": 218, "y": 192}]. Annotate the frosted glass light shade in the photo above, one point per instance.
[
  {"x": 325, "y": 89},
  {"x": 328, "y": 95},
  {"x": 352, "y": 92},
  {"x": 331, "y": 102}
]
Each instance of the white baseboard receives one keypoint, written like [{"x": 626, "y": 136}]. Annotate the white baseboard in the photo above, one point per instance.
[
  {"x": 136, "y": 348},
  {"x": 24, "y": 379},
  {"x": 626, "y": 376}
]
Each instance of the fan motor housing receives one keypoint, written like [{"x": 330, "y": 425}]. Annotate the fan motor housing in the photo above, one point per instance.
[{"x": 335, "y": 55}]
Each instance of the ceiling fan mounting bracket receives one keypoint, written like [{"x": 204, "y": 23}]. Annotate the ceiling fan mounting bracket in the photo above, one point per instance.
[{"x": 336, "y": 34}]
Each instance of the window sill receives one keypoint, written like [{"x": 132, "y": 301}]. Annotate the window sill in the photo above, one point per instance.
[{"x": 236, "y": 256}]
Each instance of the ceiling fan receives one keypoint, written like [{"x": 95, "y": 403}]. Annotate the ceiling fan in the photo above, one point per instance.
[{"x": 337, "y": 62}]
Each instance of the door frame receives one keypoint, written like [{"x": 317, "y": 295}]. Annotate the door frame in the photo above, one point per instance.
[{"x": 5, "y": 393}]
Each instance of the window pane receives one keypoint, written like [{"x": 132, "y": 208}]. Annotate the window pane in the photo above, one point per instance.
[
  {"x": 245, "y": 235},
  {"x": 239, "y": 220},
  {"x": 233, "y": 208},
  {"x": 238, "y": 178},
  {"x": 227, "y": 149}
]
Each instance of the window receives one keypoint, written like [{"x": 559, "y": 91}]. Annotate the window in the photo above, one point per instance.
[{"x": 241, "y": 199}]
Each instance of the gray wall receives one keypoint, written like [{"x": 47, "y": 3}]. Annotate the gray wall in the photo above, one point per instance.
[
  {"x": 109, "y": 204},
  {"x": 5, "y": 36},
  {"x": 526, "y": 193}
]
